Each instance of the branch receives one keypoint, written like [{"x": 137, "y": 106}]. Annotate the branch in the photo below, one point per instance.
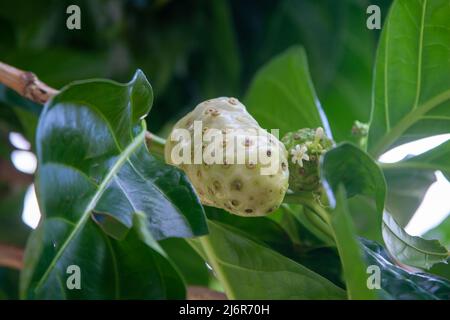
[
  {"x": 29, "y": 86},
  {"x": 203, "y": 293},
  {"x": 26, "y": 84},
  {"x": 11, "y": 257}
]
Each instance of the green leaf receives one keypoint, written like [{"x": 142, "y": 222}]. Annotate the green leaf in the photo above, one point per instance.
[
  {"x": 191, "y": 266},
  {"x": 348, "y": 165},
  {"x": 397, "y": 283},
  {"x": 109, "y": 269},
  {"x": 359, "y": 174},
  {"x": 259, "y": 229},
  {"x": 406, "y": 189},
  {"x": 93, "y": 159},
  {"x": 410, "y": 250},
  {"x": 409, "y": 179},
  {"x": 411, "y": 97},
  {"x": 249, "y": 270},
  {"x": 442, "y": 232},
  {"x": 441, "y": 270},
  {"x": 350, "y": 251},
  {"x": 282, "y": 95},
  {"x": 306, "y": 217}
]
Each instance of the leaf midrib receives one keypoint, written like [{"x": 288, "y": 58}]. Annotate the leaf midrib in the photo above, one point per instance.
[
  {"x": 416, "y": 111},
  {"x": 412, "y": 117},
  {"x": 425, "y": 252},
  {"x": 136, "y": 142}
]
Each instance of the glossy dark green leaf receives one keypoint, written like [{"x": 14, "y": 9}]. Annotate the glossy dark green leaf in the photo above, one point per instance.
[
  {"x": 282, "y": 95},
  {"x": 93, "y": 159},
  {"x": 350, "y": 252},
  {"x": 134, "y": 268},
  {"x": 348, "y": 165},
  {"x": 249, "y": 270},
  {"x": 411, "y": 250},
  {"x": 411, "y": 97},
  {"x": 409, "y": 179},
  {"x": 397, "y": 283}
]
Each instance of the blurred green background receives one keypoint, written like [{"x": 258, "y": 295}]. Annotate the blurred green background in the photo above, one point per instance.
[
  {"x": 190, "y": 51},
  {"x": 195, "y": 50}
]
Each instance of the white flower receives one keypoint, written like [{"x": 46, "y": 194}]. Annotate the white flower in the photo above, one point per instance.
[{"x": 299, "y": 153}]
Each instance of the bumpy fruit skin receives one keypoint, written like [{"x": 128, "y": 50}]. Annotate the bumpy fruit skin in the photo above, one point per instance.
[
  {"x": 312, "y": 143},
  {"x": 238, "y": 188}
]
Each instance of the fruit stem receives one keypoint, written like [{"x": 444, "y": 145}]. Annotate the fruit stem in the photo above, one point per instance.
[{"x": 305, "y": 199}]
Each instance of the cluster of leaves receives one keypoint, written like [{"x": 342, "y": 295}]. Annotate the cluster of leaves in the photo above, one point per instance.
[{"x": 132, "y": 223}]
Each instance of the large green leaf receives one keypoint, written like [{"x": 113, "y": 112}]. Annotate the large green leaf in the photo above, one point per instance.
[
  {"x": 409, "y": 179},
  {"x": 259, "y": 229},
  {"x": 411, "y": 97},
  {"x": 282, "y": 95},
  {"x": 134, "y": 268},
  {"x": 350, "y": 251},
  {"x": 93, "y": 159},
  {"x": 348, "y": 165},
  {"x": 299, "y": 244},
  {"x": 249, "y": 270},
  {"x": 410, "y": 250},
  {"x": 397, "y": 283}
]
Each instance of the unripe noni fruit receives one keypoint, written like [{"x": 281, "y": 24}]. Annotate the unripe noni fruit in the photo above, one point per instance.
[
  {"x": 305, "y": 147},
  {"x": 249, "y": 187}
]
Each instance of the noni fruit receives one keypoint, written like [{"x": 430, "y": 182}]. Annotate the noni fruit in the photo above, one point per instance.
[
  {"x": 305, "y": 147},
  {"x": 230, "y": 160}
]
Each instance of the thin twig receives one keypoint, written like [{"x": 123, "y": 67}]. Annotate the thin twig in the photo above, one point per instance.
[
  {"x": 11, "y": 257},
  {"x": 25, "y": 83},
  {"x": 29, "y": 86},
  {"x": 203, "y": 293}
]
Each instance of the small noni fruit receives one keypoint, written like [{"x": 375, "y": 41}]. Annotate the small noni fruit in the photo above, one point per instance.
[
  {"x": 236, "y": 186},
  {"x": 305, "y": 147}
]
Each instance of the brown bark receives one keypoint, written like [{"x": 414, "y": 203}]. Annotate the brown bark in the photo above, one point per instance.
[
  {"x": 25, "y": 83},
  {"x": 11, "y": 257},
  {"x": 202, "y": 293}
]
